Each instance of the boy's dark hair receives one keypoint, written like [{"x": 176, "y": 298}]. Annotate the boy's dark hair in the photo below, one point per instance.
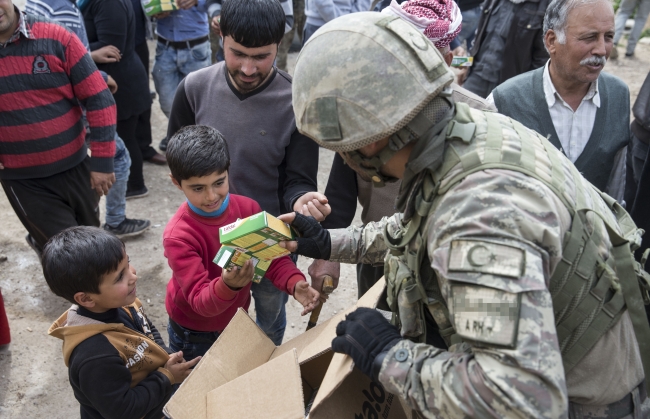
[
  {"x": 76, "y": 259},
  {"x": 197, "y": 150},
  {"x": 253, "y": 23}
]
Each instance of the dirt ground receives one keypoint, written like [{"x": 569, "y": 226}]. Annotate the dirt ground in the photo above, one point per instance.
[{"x": 33, "y": 378}]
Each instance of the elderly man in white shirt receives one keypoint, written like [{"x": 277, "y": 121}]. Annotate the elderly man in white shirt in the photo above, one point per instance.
[{"x": 582, "y": 110}]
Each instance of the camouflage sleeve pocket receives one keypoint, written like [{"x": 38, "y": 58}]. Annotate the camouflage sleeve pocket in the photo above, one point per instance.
[
  {"x": 505, "y": 265},
  {"x": 486, "y": 278},
  {"x": 485, "y": 314}
]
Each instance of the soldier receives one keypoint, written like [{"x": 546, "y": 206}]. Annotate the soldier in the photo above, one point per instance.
[{"x": 501, "y": 248}]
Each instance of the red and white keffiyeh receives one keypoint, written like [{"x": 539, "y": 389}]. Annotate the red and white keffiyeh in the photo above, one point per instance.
[{"x": 439, "y": 20}]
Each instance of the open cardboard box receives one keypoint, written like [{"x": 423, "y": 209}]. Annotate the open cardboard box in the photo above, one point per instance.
[{"x": 244, "y": 375}]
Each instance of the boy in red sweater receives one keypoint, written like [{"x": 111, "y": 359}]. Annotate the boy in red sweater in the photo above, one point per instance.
[{"x": 201, "y": 298}]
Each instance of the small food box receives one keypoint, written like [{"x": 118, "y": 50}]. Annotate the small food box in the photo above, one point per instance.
[
  {"x": 257, "y": 235},
  {"x": 229, "y": 257},
  {"x": 462, "y": 61},
  {"x": 153, "y": 7}
]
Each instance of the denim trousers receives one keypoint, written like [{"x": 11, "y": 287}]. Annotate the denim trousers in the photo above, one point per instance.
[
  {"x": 270, "y": 312},
  {"x": 115, "y": 199},
  {"x": 172, "y": 65},
  {"x": 192, "y": 343},
  {"x": 625, "y": 10}
]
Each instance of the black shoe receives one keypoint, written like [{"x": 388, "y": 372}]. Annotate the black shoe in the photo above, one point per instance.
[
  {"x": 128, "y": 227},
  {"x": 629, "y": 54},
  {"x": 152, "y": 94},
  {"x": 32, "y": 243},
  {"x": 163, "y": 144},
  {"x": 139, "y": 193}
]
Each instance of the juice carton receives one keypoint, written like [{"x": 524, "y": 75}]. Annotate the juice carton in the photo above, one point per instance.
[
  {"x": 229, "y": 257},
  {"x": 153, "y": 7}
]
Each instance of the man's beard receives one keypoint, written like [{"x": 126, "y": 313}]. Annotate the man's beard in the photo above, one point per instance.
[{"x": 248, "y": 87}]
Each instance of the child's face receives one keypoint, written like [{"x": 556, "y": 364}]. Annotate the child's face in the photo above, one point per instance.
[
  {"x": 206, "y": 192},
  {"x": 117, "y": 288}
]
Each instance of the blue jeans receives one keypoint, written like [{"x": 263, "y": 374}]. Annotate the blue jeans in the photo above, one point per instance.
[
  {"x": 625, "y": 10},
  {"x": 271, "y": 315},
  {"x": 470, "y": 22},
  {"x": 192, "y": 343},
  {"x": 172, "y": 65},
  {"x": 116, "y": 199}
]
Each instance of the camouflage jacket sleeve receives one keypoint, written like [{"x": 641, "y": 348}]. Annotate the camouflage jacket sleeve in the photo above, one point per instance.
[
  {"x": 364, "y": 244},
  {"x": 492, "y": 241}
]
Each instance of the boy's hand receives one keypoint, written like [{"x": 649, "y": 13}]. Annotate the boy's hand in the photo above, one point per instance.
[
  {"x": 313, "y": 204},
  {"x": 179, "y": 368},
  {"x": 238, "y": 277},
  {"x": 307, "y": 296}
]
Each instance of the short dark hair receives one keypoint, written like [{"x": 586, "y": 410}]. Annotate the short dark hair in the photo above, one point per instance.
[
  {"x": 197, "y": 150},
  {"x": 253, "y": 23},
  {"x": 76, "y": 259}
]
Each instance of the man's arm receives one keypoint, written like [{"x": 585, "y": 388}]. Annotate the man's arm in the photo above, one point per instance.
[
  {"x": 539, "y": 55},
  {"x": 182, "y": 113},
  {"x": 341, "y": 192},
  {"x": 110, "y": 19},
  {"x": 301, "y": 168},
  {"x": 91, "y": 90},
  {"x": 327, "y": 9}
]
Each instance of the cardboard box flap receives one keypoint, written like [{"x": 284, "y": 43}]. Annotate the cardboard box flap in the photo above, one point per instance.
[
  {"x": 274, "y": 390},
  {"x": 220, "y": 365},
  {"x": 357, "y": 396},
  {"x": 307, "y": 345},
  {"x": 371, "y": 297}
]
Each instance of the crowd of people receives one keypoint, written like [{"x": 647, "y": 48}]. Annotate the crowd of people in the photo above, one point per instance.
[{"x": 512, "y": 193}]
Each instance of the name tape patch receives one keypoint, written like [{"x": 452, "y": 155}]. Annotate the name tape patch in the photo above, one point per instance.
[
  {"x": 485, "y": 314},
  {"x": 486, "y": 257}
]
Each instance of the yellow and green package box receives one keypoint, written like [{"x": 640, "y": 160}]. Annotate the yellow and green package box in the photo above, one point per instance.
[
  {"x": 229, "y": 257},
  {"x": 153, "y": 7},
  {"x": 257, "y": 235}
]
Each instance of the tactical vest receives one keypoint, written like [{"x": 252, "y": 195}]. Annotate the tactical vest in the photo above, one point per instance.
[{"x": 589, "y": 294}]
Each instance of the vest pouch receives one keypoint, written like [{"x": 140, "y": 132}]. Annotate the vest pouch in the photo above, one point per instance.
[{"x": 410, "y": 312}]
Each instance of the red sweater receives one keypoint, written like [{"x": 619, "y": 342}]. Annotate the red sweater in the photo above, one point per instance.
[
  {"x": 43, "y": 78},
  {"x": 197, "y": 298}
]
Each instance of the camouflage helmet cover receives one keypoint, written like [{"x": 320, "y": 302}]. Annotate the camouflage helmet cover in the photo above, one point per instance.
[{"x": 363, "y": 77}]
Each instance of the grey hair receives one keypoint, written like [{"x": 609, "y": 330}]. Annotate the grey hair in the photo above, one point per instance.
[{"x": 557, "y": 14}]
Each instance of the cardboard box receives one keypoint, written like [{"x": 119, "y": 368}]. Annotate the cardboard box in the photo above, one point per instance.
[
  {"x": 257, "y": 235},
  {"x": 244, "y": 375},
  {"x": 153, "y": 7},
  {"x": 229, "y": 257}
]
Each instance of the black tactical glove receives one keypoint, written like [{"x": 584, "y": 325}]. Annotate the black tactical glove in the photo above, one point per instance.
[
  {"x": 365, "y": 334},
  {"x": 314, "y": 241}
]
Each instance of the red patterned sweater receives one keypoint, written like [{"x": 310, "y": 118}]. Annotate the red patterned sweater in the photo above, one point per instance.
[{"x": 45, "y": 72}]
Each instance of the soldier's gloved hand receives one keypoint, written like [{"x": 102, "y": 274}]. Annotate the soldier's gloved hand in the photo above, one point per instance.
[
  {"x": 365, "y": 334},
  {"x": 314, "y": 240}
]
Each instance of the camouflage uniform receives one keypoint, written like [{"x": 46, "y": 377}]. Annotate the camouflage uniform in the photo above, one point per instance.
[
  {"x": 493, "y": 234},
  {"x": 518, "y": 218}
]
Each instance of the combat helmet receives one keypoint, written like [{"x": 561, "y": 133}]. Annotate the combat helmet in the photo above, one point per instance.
[{"x": 363, "y": 77}]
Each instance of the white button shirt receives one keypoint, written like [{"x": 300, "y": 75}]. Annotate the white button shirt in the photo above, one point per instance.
[{"x": 573, "y": 128}]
